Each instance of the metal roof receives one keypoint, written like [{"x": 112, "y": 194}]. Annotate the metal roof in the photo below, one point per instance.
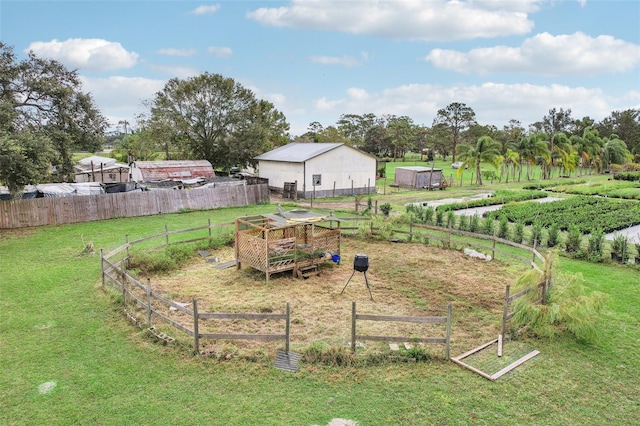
[
  {"x": 297, "y": 152},
  {"x": 418, "y": 168}
]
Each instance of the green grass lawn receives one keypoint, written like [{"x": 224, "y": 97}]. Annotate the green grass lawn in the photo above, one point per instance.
[{"x": 57, "y": 325}]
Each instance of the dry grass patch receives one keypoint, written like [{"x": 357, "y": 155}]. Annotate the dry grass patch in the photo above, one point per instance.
[{"x": 406, "y": 279}]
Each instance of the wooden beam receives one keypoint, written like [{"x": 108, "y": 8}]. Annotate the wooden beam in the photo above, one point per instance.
[{"x": 514, "y": 365}]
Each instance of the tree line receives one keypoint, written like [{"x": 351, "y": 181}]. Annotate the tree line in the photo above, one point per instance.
[{"x": 45, "y": 117}]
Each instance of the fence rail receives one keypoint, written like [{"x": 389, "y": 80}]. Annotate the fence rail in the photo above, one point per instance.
[
  {"x": 86, "y": 208},
  {"x": 389, "y": 318}
]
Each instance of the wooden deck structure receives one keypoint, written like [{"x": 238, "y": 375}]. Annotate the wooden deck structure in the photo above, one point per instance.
[{"x": 278, "y": 243}]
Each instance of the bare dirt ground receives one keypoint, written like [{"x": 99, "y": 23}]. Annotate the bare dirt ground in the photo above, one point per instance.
[{"x": 406, "y": 279}]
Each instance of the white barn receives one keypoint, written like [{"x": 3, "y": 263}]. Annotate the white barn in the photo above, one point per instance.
[{"x": 319, "y": 169}]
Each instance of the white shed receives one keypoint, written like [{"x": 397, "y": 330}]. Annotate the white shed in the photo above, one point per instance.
[{"x": 319, "y": 169}]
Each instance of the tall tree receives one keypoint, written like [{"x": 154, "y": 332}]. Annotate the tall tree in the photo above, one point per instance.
[
  {"x": 614, "y": 151},
  {"x": 485, "y": 150},
  {"x": 355, "y": 127},
  {"x": 457, "y": 117},
  {"x": 24, "y": 159},
  {"x": 214, "y": 118},
  {"x": 625, "y": 124},
  {"x": 43, "y": 98}
]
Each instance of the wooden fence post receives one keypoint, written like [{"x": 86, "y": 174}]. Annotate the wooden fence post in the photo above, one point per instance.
[
  {"x": 287, "y": 327},
  {"x": 196, "y": 332},
  {"x": 450, "y": 232},
  {"x": 493, "y": 248},
  {"x": 166, "y": 234},
  {"x": 535, "y": 243},
  {"x": 410, "y": 231},
  {"x": 376, "y": 207},
  {"x": 353, "y": 327},
  {"x": 123, "y": 277},
  {"x": 149, "y": 310},
  {"x": 126, "y": 240},
  {"x": 209, "y": 220},
  {"x": 505, "y": 310},
  {"x": 102, "y": 267},
  {"x": 448, "y": 343}
]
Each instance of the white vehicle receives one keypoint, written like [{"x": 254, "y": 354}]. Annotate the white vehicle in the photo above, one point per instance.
[{"x": 457, "y": 165}]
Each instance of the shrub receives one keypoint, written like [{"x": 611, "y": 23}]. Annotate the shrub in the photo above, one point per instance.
[
  {"x": 594, "y": 250},
  {"x": 474, "y": 223},
  {"x": 439, "y": 217},
  {"x": 451, "y": 218},
  {"x": 463, "y": 225},
  {"x": 568, "y": 309},
  {"x": 487, "y": 226},
  {"x": 536, "y": 234},
  {"x": 518, "y": 234},
  {"x": 503, "y": 228},
  {"x": 629, "y": 176},
  {"x": 574, "y": 240},
  {"x": 552, "y": 235},
  {"x": 385, "y": 208},
  {"x": 620, "y": 248}
]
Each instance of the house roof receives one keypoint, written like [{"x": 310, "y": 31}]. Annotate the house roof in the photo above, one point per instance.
[
  {"x": 418, "y": 168},
  {"x": 297, "y": 152},
  {"x": 174, "y": 169}
]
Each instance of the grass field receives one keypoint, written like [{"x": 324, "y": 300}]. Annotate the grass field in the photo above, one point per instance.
[{"x": 57, "y": 326}]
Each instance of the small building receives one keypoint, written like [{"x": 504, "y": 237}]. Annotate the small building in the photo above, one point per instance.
[
  {"x": 419, "y": 177},
  {"x": 319, "y": 169},
  {"x": 101, "y": 169},
  {"x": 297, "y": 241},
  {"x": 176, "y": 170}
]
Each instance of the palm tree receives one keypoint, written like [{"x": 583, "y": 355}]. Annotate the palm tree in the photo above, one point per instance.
[
  {"x": 511, "y": 159},
  {"x": 531, "y": 148},
  {"x": 486, "y": 150},
  {"x": 614, "y": 151}
]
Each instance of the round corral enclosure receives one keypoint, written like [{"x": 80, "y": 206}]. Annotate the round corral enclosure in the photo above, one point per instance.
[{"x": 406, "y": 279}]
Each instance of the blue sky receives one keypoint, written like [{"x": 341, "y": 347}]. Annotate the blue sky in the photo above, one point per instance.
[{"x": 318, "y": 59}]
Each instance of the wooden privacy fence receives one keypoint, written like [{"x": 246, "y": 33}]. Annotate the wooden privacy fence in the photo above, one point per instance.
[
  {"x": 446, "y": 340},
  {"x": 86, "y": 208}
]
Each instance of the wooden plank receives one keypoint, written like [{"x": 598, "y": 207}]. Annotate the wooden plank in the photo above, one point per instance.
[
  {"x": 177, "y": 306},
  {"x": 433, "y": 320},
  {"x": 401, "y": 339},
  {"x": 205, "y": 315},
  {"x": 475, "y": 370},
  {"x": 474, "y": 350},
  {"x": 499, "y": 345},
  {"x": 267, "y": 337},
  {"x": 172, "y": 323},
  {"x": 514, "y": 364}
]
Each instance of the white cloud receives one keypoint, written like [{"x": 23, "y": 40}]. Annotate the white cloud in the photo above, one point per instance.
[
  {"x": 344, "y": 60},
  {"x": 494, "y": 103},
  {"x": 87, "y": 54},
  {"x": 408, "y": 19},
  {"x": 120, "y": 98},
  {"x": 178, "y": 71},
  {"x": 177, "y": 52},
  {"x": 219, "y": 51},
  {"x": 545, "y": 54},
  {"x": 205, "y": 9}
]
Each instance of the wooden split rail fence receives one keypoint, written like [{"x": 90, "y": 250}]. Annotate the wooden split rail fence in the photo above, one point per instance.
[{"x": 446, "y": 340}]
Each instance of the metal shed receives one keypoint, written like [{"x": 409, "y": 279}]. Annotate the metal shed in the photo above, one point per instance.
[
  {"x": 419, "y": 177},
  {"x": 177, "y": 170}
]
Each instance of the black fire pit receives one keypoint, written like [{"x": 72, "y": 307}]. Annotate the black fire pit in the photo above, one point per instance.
[{"x": 360, "y": 264}]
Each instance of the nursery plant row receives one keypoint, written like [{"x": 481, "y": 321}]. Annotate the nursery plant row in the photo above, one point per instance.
[{"x": 584, "y": 212}]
